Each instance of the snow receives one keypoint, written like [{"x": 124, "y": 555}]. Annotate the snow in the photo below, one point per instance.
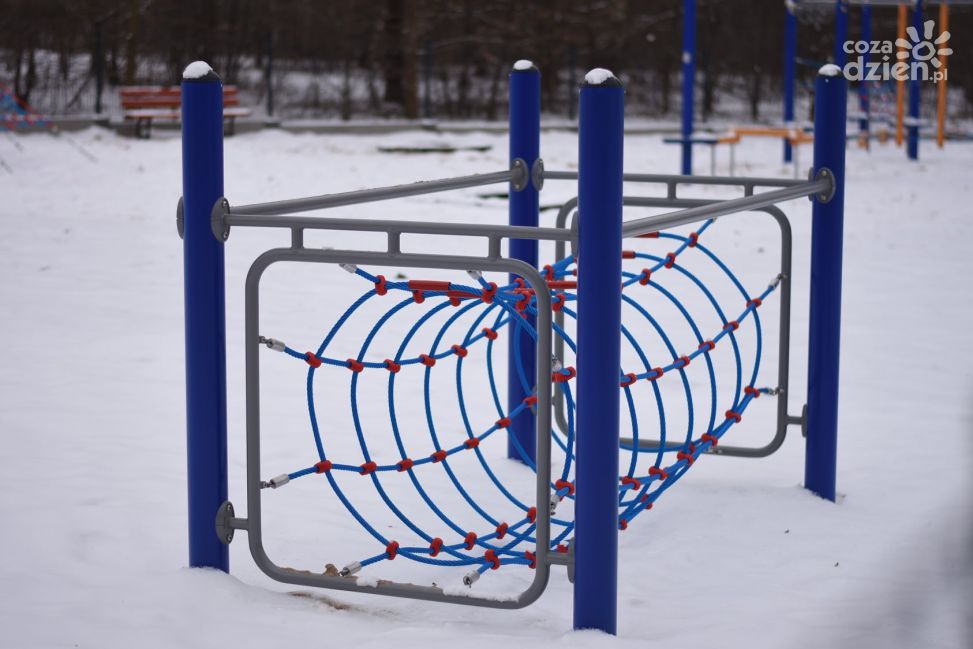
[
  {"x": 598, "y": 76},
  {"x": 523, "y": 64},
  {"x": 196, "y": 70},
  {"x": 829, "y": 70},
  {"x": 736, "y": 555}
]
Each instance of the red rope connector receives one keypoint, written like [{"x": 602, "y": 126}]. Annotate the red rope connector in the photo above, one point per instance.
[
  {"x": 489, "y": 293},
  {"x": 735, "y": 416},
  {"x": 670, "y": 260},
  {"x": 685, "y": 361},
  {"x": 435, "y": 546},
  {"x": 438, "y": 456},
  {"x": 530, "y": 556},
  {"x": 418, "y": 297},
  {"x": 646, "y": 277},
  {"x": 751, "y": 390},
  {"x": 531, "y": 400},
  {"x": 380, "y": 288},
  {"x": 755, "y": 303},
  {"x": 654, "y": 470},
  {"x": 490, "y": 333},
  {"x": 520, "y": 282},
  {"x": 502, "y": 530},
  {"x": 732, "y": 325},
  {"x": 491, "y": 557},
  {"x": 354, "y": 365},
  {"x": 565, "y": 484},
  {"x": 648, "y": 506},
  {"x": 630, "y": 378},
  {"x": 405, "y": 465},
  {"x": 558, "y": 302},
  {"x": 392, "y": 366},
  {"x": 561, "y": 377},
  {"x": 368, "y": 467},
  {"x": 563, "y": 549},
  {"x": 658, "y": 374},
  {"x": 472, "y": 442},
  {"x": 470, "y": 540},
  {"x": 392, "y": 549},
  {"x": 427, "y": 360},
  {"x": 502, "y": 423},
  {"x": 548, "y": 273},
  {"x": 312, "y": 360},
  {"x": 682, "y": 455},
  {"x": 693, "y": 239},
  {"x": 622, "y": 524},
  {"x": 628, "y": 254},
  {"x": 636, "y": 485},
  {"x": 707, "y": 345},
  {"x": 323, "y": 466},
  {"x": 532, "y": 514},
  {"x": 460, "y": 351}
]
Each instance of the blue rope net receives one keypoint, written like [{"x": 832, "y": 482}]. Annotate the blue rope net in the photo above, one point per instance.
[{"x": 467, "y": 319}]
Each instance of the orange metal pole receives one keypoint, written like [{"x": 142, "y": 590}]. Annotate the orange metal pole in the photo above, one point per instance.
[
  {"x": 900, "y": 83},
  {"x": 941, "y": 87}
]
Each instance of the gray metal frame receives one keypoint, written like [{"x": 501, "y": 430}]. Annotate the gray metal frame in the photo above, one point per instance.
[
  {"x": 697, "y": 206},
  {"x": 271, "y": 215}
]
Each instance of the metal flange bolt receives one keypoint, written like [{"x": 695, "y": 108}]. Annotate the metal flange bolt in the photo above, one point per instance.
[
  {"x": 475, "y": 275},
  {"x": 351, "y": 268},
  {"x": 470, "y": 578}
]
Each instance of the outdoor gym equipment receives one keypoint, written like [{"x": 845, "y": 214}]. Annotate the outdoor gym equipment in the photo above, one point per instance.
[{"x": 529, "y": 312}]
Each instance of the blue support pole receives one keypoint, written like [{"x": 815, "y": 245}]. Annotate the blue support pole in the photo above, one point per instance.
[
  {"x": 524, "y": 205},
  {"x": 202, "y": 186},
  {"x": 600, "y": 137},
  {"x": 688, "y": 82},
  {"x": 864, "y": 105},
  {"x": 840, "y": 32},
  {"x": 790, "y": 63},
  {"x": 825, "y": 310},
  {"x": 915, "y": 90}
]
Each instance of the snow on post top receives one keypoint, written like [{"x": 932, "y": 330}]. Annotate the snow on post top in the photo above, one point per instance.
[
  {"x": 601, "y": 77},
  {"x": 524, "y": 65},
  {"x": 829, "y": 70},
  {"x": 196, "y": 70}
]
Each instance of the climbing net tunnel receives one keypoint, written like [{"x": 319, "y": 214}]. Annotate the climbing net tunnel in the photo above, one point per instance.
[{"x": 456, "y": 329}]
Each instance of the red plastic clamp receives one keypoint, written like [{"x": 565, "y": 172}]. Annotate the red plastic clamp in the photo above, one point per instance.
[
  {"x": 392, "y": 549},
  {"x": 312, "y": 360},
  {"x": 491, "y": 557},
  {"x": 405, "y": 465},
  {"x": 735, "y": 416},
  {"x": 670, "y": 260},
  {"x": 565, "y": 484},
  {"x": 502, "y": 530},
  {"x": 380, "y": 288},
  {"x": 323, "y": 466},
  {"x": 435, "y": 546},
  {"x": 427, "y": 360},
  {"x": 460, "y": 351},
  {"x": 630, "y": 378},
  {"x": 392, "y": 366},
  {"x": 354, "y": 365},
  {"x": 368, "y": 467},
  {"x": 470, "y": 540}
]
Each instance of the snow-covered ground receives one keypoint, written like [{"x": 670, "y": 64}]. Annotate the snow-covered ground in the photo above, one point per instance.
[{"x": 92, "y": 443}]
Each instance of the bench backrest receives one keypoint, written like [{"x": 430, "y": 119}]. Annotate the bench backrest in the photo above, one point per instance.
[{"x": 136, "y": 97}]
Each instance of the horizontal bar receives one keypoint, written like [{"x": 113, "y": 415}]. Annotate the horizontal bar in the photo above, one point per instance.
[
  {"x": 372, "y": 195},
  {"x": 402, "y": 227},
  {"x": 665, "y": 179},
  {"x": 722, "y": 208}
]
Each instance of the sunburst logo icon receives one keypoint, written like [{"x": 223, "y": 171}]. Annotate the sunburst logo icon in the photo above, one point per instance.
[{"x": 923, "y": 49}]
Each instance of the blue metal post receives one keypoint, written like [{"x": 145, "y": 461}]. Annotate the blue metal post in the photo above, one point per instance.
[
  {"x": 790, "y": 63},
  {"x": 825, "y": 310},
  {"x": 525, "y": 143},
  {"x": 840, "y": 32},
  {"x": 915, "y": 89},
  {"x": 688, "y": 82},
  {"x": 599, "y": 324},
  {"x": 202, "y": 186},
  {"x": 864, "y": 105}
]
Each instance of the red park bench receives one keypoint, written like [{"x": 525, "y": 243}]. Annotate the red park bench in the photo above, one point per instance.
[{"x": 147, "y": 103}]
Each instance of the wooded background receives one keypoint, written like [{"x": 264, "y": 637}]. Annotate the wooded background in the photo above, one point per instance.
[{"x": 422, "y": 58}]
